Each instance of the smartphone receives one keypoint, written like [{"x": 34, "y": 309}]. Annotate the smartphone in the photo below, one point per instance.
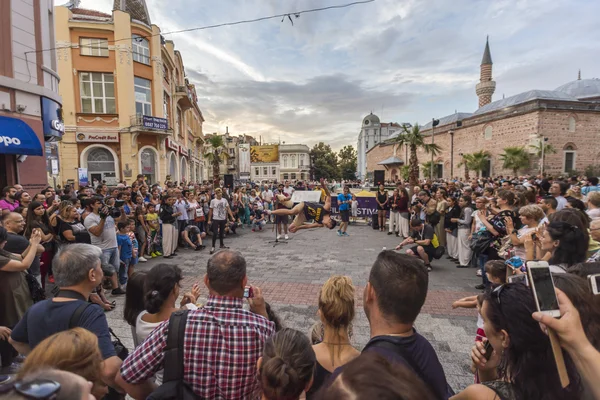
[
  {"x": 594, "y": 281},
  {"x": 542, "y": 287},
  {"x": 534, "y": 237},
  {"x": 487, "y": 346},
  {"x": 248, "y": 293},
  {"x": 522, "y": 278}
]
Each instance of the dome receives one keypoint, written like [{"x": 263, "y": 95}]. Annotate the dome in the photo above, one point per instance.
[
  {"x": 581, "y": 88},
  {"x": 371, "y": 119}
]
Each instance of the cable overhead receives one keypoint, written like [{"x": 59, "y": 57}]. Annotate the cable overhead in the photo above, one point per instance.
[{"x": 289, "y": 15}]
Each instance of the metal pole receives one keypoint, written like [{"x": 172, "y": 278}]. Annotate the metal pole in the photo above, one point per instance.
[
  {"x": 432, "y": 135},
  {"x": 543, "y": 141}
]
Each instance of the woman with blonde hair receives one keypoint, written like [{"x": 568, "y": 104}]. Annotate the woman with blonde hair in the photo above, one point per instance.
[
  {"x": 336, "y": 312},
  {"x": 76, "y": 351}
]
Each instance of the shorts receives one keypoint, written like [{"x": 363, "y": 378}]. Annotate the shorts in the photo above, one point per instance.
[
  {"x": 429, "y": 250},
  {"x": 110, "y": 261},
  {"x": 282, "y": 219},
  {"x": 345, "y": 215}
]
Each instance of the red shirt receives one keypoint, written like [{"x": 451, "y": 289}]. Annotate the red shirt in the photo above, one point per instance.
[{"x": 222, "y": 345}]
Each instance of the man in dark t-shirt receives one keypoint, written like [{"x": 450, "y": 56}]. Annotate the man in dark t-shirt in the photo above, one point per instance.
[
  {"x": 421, "y": 235},
  {"x": 17, "y": 243},
  {"x": 193, "y": 236}
]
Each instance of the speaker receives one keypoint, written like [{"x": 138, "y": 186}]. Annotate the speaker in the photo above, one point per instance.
[
  {"x": 379, "y": 177},
  {"x": 228, "y": 181}
]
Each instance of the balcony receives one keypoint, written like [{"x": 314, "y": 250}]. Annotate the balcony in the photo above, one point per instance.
[
  {"x": 183, "y": 96},
  {"x": 148, "y": 124}
]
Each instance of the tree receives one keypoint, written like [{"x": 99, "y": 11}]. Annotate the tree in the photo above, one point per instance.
[
  {"x": 405, "y": 172},
  {"x": 415, "y": 140},
  {"x": 427, "y": 169},
  {"x": 515, "y": 158},
  {"x": 475, "y": 162},
  {"x": 548, "y": 149},
  {"x": 347, "y": 161},
  {"x": 324, "y": 162},
  {"x": 216, "y": 154}
]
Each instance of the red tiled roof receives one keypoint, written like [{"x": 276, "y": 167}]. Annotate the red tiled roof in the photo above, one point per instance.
[{"x": 91, "y": 13}]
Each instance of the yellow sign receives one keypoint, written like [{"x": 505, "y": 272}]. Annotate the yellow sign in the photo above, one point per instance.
[{"x": 264, "y": 154}]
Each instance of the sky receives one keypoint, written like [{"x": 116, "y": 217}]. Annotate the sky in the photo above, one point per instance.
[{"x": 403, "y": 60}]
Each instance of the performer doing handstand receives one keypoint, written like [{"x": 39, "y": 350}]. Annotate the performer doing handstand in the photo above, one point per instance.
[{"x": 306, "y": 211}]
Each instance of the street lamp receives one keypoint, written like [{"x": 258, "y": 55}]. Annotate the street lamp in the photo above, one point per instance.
[{"x": 434, "y": 123}]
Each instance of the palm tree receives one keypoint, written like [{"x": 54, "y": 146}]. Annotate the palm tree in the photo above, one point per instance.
[
  {"x": 427, "y": 169},
  {"x": 216, "y": 154},
  {"x": 414, "y": 140},
  {"x": 541, "y": 155},
  {"x": 515, "y": 158}
]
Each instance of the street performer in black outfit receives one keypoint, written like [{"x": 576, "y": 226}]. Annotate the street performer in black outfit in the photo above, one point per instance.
[{"x": 306, "y": 212}]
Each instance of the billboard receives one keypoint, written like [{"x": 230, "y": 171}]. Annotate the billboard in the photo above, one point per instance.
[
  {"x": 264, "y": 154},
  {"x": 244, "y": 161}
]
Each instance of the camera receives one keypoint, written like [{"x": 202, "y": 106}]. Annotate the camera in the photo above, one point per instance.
[{"x": 113, "y": 210}]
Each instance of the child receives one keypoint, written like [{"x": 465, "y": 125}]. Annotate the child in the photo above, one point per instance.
[
  {"x": 135, "y": 248},
  {"x": 354, "y": 208},
  {"x": 125, "y": 251},
  {"x": 153, "y": 238}
]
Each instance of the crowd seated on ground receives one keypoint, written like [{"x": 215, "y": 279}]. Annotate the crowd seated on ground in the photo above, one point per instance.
[{"x": 69, "y": 240}]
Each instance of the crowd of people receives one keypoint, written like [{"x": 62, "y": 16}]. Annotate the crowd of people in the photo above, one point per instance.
[{"x": 84, "y": 243}]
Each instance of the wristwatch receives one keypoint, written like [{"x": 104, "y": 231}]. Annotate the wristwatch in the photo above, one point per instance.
[{"x": 514, "y": 232}]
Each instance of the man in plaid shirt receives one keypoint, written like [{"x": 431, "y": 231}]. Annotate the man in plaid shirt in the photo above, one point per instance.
[{"x": 222, "y": 342}]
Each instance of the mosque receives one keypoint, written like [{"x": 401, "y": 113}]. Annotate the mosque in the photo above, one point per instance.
[{"x": 568, "y": 118}]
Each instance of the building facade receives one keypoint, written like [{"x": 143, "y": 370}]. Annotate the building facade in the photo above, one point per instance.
[
  {"x": 129, "y": 109},
  {"x": 30, "y": 106},
  {"x": 568, "y": 118},
  {"x": 294, "y": 162},
  {"x": 372, "y": 132}
]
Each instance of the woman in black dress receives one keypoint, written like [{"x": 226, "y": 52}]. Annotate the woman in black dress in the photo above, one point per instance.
[
  {"x": 37, "y": 217},
  {"x": 382, "y": 206}
]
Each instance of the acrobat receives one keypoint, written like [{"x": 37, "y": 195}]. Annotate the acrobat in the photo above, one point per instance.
[{"x": 305, "y": 212}]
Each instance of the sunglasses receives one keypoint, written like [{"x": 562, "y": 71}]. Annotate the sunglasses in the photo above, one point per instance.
[{"x": 40, "y": 389}]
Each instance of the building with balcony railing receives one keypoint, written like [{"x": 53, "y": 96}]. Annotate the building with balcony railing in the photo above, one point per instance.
[{"x": 129, "y": 108}]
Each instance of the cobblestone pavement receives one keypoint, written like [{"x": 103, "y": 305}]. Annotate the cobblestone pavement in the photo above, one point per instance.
[{"x": 291, "y": 275}]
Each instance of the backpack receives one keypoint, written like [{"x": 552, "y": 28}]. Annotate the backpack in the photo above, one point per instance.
[
  {"x": 439, "y": 250},
  {"x": 174, "y": 387}
]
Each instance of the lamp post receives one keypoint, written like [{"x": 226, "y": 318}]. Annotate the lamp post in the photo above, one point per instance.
[
  {"x": 543, "y": 144},
  {"x": 434, "y": 123}
]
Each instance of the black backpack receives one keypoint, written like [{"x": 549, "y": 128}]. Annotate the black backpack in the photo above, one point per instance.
[{"x": 174, "y": 387}]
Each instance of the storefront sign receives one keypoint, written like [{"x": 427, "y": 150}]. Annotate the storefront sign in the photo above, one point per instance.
[
  {"x": 83, "y": 176},
  {"x": 184, "y": 151},
  {"x": 97, "y": 137},
  {"x": 155, "y": 123},
  {"x": 54, "y": 165},
  {"x": 172, "y": 145},
  {"x": 54, "y": 127}
]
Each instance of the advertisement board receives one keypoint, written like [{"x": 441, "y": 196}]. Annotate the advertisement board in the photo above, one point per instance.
[
  {"x": 97, "y": 137},
  {"x": 264, "y": 154},
  {"x": 244, "y": 161},
  {"x": 83, "y": 176}
]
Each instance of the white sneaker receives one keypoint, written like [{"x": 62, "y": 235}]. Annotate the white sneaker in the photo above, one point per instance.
[
  {"x": 286, "y": 237},
  {"x": 142, "y": 259},
  {"x": 278, "y": 237}
]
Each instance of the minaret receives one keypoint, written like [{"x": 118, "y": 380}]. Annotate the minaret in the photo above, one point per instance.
[{"x": 486, "y": 86}]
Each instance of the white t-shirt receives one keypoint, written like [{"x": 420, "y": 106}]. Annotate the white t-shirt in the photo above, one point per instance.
[
  {"x": 181, "y": 206},
  {"x": 219, "y": 208},
  {"x": 288, "y": 190},
  {"x": 267, "y": 195},
  {"x": 192, "y": 206},
  {"x": 108, "y": 238}
]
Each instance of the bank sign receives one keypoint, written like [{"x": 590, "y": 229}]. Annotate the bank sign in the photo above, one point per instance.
[
  {"x": 97, "y": 137},
  {"x": 155, "y": 123}
]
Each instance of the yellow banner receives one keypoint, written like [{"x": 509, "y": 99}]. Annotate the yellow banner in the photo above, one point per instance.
[{"x": 264, "y": 154}]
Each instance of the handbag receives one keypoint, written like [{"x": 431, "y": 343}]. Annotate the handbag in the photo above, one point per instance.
[
  {"x": 482, "y": 242},
  {"x": 35, "y": 289},
  {"x": 199, "y": 215}
]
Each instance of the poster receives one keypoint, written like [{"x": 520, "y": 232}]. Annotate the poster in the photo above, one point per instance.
[
  {"x": 244, "y": 161},
  {"x": 83, "y": 176},
  {"x": 264, "y": 154}
]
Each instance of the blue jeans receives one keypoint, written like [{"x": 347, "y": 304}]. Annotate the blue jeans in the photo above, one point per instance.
[
  {"x": 123, "y": 268},
  {"x": 481, "y": 260},
  {"x": 110, "y": 261}
]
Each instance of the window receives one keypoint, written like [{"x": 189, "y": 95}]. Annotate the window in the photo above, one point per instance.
[
  {"x": 97, "y": 91},
  {"x": 179, "y": 122},
  {"x": 143, "y": 96},
  {"x": 286, "y": 176},
  {"x": 265, "y": 171},
  {"x": 274, "y": 171},
  {"x": 231, "y": 151},
  {"x": 293, "y": 161},
  {"x": 166, "y": 105},
  {"x": 293, "y": 176},
  {"x": 569, "y": 159},
  {"x": 487, "y": 134},
  {"x": 285, "y": 162},
  {"x": 93, "y": 47},
  {"x": 256, "y": 171},
  {"x": 571, "y": 124},
  {"x": 141, "y": 49},
  {"x": 166, "y": 73},
  {"x": 301, "y": 161}
]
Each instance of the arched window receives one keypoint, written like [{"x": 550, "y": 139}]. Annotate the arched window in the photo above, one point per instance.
[
  {"x": 141, "y": 49},
  {"x": 173, "y": 167},
  {"x": 572, "y": 124},
  {"x": 149, "y": 165},
  {"x": 487, "y": 133},
  {"x": 100, "y": 160},
  {"x": 569, "y": 158},
  {"x": 285, "y": 161}
]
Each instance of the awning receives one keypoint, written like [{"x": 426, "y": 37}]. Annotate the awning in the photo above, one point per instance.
[
  {"x": 16, "y": 137},
  {"x": 391, "y": 160}
]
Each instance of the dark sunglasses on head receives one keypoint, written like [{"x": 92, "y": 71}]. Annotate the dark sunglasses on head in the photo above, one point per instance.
[{"x": 39, "y": 389}]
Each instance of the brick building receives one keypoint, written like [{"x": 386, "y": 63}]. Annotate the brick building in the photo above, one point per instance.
[{"x": 568, "y": 117}]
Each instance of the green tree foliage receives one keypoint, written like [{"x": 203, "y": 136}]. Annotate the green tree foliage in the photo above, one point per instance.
[
  {"x": 414, "y": 139},
  {"x": 324, "y": 162},
  {"x": 347, "y": 162},
  {"x": 217, "y": 153},
  {"x": 515, "y": 158},
  {"x": 475, "y": 162},
  {"x": 427, "y": 169}
]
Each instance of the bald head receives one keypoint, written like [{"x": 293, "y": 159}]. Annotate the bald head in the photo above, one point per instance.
[
  {"x": 14, "y": 222},
  {"x": 226, "y": 273}
]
